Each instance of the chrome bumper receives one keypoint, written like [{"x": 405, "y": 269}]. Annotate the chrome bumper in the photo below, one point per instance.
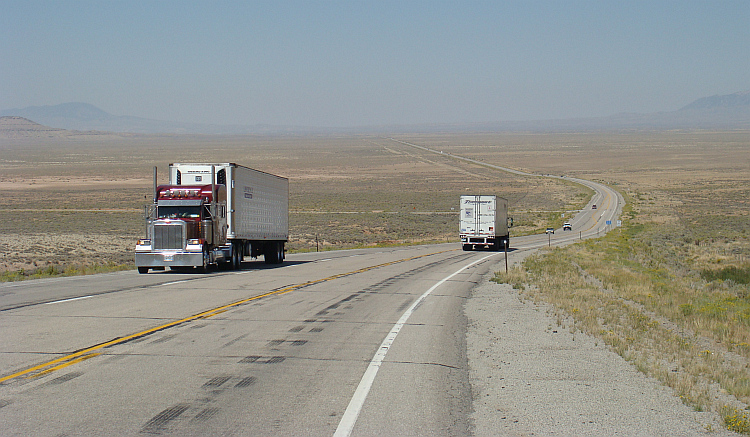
[{"x": 168, "y": 259}]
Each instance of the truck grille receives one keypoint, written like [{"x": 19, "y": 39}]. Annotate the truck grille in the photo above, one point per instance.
[{"x": 169, "y": 235}]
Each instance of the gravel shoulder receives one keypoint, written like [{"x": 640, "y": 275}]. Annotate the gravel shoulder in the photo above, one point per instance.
[{"x": 530, "y": 376}]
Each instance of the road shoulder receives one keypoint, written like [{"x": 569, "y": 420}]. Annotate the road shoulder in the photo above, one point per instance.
[{"x": 530, "y": 376}]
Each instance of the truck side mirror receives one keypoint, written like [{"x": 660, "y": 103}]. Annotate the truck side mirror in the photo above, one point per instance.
[{"x": 510, "y": 222}]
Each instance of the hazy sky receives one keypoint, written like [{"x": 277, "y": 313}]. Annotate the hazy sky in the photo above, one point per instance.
[{"x": 348, "y": 63}]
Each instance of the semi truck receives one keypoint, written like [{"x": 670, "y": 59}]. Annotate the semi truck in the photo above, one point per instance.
[
  {"x": 212, "y": 214},
  {"x": 484, "y": 222}
]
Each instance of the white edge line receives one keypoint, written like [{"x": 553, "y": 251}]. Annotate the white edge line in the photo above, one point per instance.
[
  {"x": 68, "y": 300},
  {"x": 349, "y": 418},
  {"x": 172, "y": 283}
]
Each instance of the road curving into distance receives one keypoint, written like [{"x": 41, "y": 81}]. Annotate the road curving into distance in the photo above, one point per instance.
[
  {"x": 587, "y": 222},
  {"x": 356, "y": 342}
]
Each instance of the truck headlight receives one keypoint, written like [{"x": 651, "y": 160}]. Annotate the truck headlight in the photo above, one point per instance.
[
  {"x": 194, "y": 245},
  {"x": 144, "y": 245}
]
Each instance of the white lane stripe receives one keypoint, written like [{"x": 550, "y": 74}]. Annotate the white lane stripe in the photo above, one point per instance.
[
  {"x": 346, "y": 425},
  {"x": 68, "y": 300},
  {"x": 171, "y": 283}
]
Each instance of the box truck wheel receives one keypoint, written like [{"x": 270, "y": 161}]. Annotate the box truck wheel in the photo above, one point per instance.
[
  {"x": 467, "y": 247},
  {"x": 142, "y": 269}
]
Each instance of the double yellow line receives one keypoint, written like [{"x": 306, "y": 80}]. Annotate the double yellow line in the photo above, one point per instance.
[{"x": 90, "y": 352}]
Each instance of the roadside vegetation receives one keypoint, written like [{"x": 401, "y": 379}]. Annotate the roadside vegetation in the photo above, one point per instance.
[
  {"x": 67, "y": 270},
  {"x": 669, "y": 292}
]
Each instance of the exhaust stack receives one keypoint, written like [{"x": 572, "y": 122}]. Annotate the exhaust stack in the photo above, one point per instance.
[
  {"x": 213, "y": 184},
  {"x": 155, "y": 194}
]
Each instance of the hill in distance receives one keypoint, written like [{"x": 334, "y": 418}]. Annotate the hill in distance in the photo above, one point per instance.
[
  {"x": 20, "y": 128},
  {"x": 726, "y": 112}
]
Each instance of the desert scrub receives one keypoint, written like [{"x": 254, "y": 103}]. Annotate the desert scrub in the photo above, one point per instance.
[
  {"x": 646, "y": 305},
  {"x": 740, "y": 275},
  {"x": 654, "y": 347},
  {"x": 369, "y": 229},
  {"x": 62, "y": 270},
  {"x": 655, "y": 273},
  {"x": 736, "y": 420},
  {"x": 516, "y": 276}
]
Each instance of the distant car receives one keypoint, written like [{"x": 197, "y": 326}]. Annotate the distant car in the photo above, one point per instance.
[
  {"x": 550, "y": 230},
  {"x": 567, "y": 227},
  {"x": 593, "y": 206}
]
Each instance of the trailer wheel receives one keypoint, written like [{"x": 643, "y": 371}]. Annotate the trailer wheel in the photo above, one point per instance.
[
  {"x": 237, "y": 255},
  {"x": 270, "y": 253},
  {"x": 274, "y": 252},
  {"x": 142, "y": 270},
  {"x": 467, "y": 247}
]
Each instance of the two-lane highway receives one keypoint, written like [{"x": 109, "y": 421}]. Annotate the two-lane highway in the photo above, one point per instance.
[{"x": 260, "y": 351}]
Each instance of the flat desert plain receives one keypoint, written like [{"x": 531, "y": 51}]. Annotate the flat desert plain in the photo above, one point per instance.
[{"x": 73, "y": 199}]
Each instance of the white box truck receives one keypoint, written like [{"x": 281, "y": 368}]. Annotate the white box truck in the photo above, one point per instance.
[
  {"x": 484, "y": 222},
  {"x": 214, "y": 213}
]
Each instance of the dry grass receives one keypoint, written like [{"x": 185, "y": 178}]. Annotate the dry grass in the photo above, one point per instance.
[{"x": 654, "y": 290}]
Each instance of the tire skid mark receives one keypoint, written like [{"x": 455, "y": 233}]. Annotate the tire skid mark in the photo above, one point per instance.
[
  {"x": 159, "y": 423},
  {"x": 253, "y": 359},
  {"x": 217, "y": 381},
  {"x": 246, "y": 382}
]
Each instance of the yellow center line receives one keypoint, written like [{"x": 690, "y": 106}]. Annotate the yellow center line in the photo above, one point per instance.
[
  {"x": 607, "y": 199},
  {"x": 86, "y": 353},
  {"x": 60, "y": 366}
]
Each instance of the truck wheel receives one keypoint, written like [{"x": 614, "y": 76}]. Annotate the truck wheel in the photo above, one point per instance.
[
  {"x": 206, "y": 261},
  {"x": 467, "y": 247},
  {"x": 269, "y": 254},
  {"x": 273, "y": 253},
  {"x": 236, "y": 256},
  {"x": 142, "y": 270}
]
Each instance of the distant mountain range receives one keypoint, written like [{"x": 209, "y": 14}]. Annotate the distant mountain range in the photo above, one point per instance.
[
  {"x": 730, "y": 111},
  {"x": 87, "y": 117}
]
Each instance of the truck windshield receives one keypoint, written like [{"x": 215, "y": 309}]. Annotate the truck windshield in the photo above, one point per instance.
[{"x": 179, "y": 212}]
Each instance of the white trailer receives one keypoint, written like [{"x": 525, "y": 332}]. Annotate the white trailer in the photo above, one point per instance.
[
  {"x": 484, "y": 222},
  {"x": 215, "y": 213}
]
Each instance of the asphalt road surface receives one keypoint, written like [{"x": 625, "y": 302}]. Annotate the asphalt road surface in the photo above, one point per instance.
[{"x": 260, "y": 351}]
